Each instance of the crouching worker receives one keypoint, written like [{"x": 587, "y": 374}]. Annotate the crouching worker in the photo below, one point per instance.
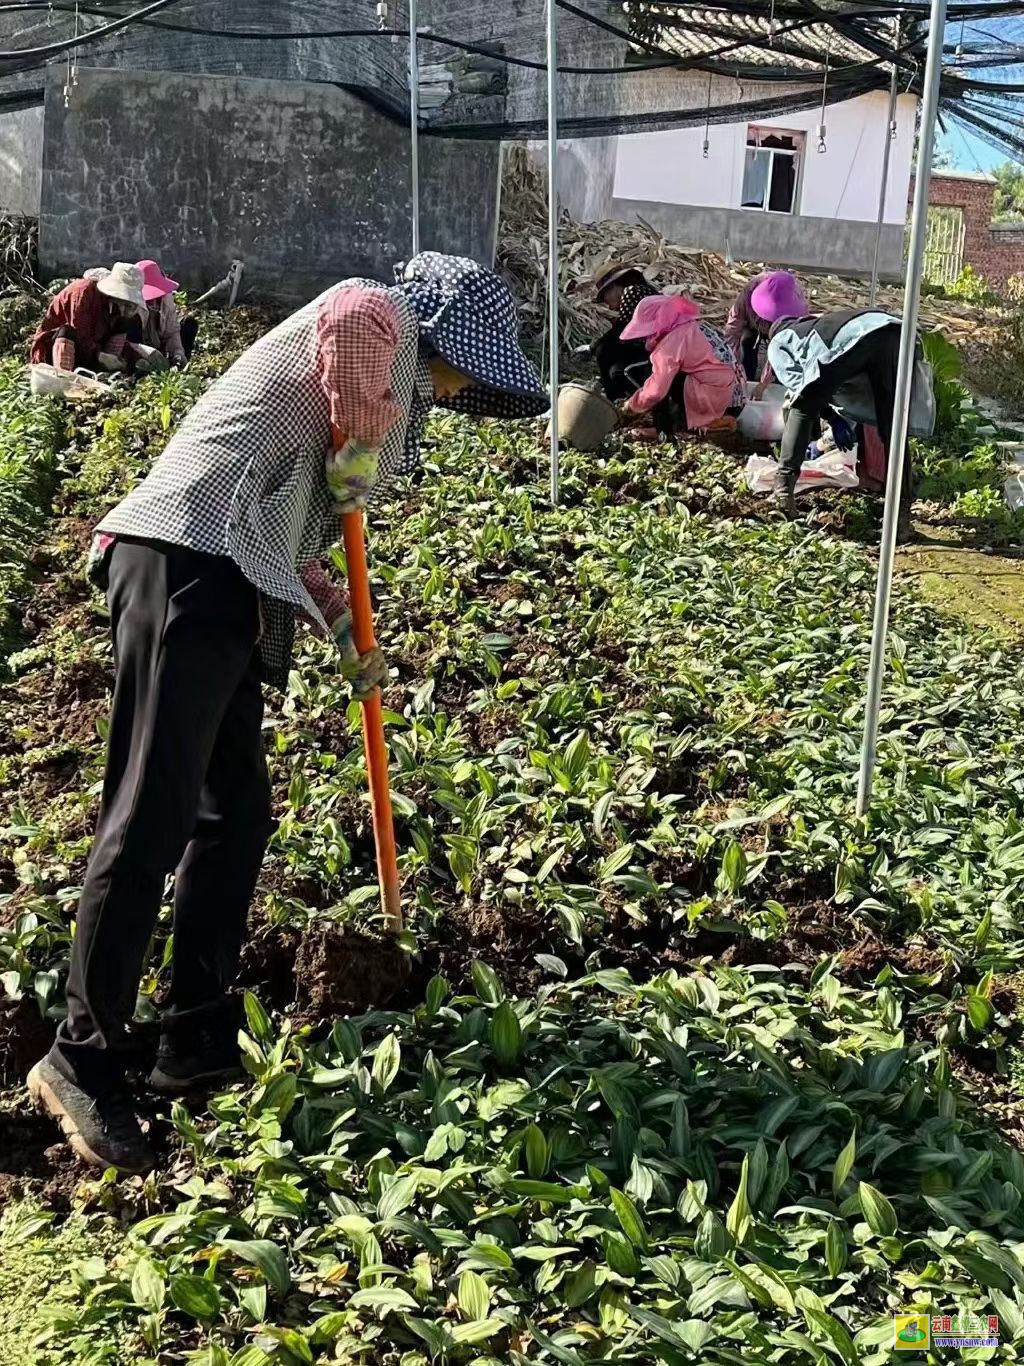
[
  {"x": 206, "y": 564},
  {"x": 624, "y": 366},
  {"x": 92, "y": 321},
  {"x": 695, "y": 381},
  {"x": 169, "y": 335},
  {"x": 841, "y": 365}
]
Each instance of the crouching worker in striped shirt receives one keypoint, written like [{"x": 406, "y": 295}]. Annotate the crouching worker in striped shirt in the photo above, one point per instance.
[{"x": 206, "y": 564}]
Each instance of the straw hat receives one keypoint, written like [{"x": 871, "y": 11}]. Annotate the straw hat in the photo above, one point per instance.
[
  {"x": 123, "y": 281},
  {"x": 611, "y": 274}
]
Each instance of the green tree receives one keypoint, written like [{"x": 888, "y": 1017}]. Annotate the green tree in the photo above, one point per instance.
[{"x": 1009, "y": 201}]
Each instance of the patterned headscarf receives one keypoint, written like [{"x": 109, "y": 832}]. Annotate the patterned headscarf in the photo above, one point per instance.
[{"x": 632, "y": 296}]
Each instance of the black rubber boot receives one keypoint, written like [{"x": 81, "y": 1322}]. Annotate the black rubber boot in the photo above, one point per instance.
[
  {"x": 784, "y": 493},
  {"x": 198, "y": 1047},
  {"x": 102, "y": 1130}
]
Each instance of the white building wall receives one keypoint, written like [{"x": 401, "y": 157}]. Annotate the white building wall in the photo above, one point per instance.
[{"x": 843, "y": 182}]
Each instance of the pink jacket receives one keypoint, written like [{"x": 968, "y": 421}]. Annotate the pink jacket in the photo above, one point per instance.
[{"x": 709, "y": 384}]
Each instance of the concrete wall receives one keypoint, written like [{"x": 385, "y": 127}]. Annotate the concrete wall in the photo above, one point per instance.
[
  {"x": 664, "y": 177},
  {"x": 21, "y": 161},
  {"x": 822, "y": 244},
  {"x": 586, "y": 175},
  {"x": 304, "y": 182}
]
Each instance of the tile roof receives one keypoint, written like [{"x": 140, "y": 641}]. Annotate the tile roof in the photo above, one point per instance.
[{"x": 699, "y": 31}]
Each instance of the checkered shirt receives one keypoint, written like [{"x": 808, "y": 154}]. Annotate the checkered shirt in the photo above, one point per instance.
[{"x": 244, "y": 474}]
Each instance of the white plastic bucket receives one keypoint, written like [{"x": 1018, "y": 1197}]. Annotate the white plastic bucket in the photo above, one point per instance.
[{"x": 760, "y": 420}]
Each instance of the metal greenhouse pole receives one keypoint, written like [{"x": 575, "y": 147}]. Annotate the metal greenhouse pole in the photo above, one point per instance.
[
  {"x": 890, "y": 133},
  {"x": 901, "y": 408},
  {"x": 552, "y": 60},
  {"x": 414, "y": 124}
]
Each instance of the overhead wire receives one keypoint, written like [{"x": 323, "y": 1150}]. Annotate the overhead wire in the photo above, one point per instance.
[{"x": 987, "y": 78}]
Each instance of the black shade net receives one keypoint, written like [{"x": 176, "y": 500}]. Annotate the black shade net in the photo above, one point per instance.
[{"x": 624, "y": 67}]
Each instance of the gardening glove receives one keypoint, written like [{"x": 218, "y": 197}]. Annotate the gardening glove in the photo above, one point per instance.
[
  {"x": 842, "y": 432},
  {"x": 365, "y": 672},
  {"x": 351, "y": 474}
]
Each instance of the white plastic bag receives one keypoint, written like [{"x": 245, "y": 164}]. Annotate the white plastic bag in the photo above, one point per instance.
[{"x": 836, "y": 470}]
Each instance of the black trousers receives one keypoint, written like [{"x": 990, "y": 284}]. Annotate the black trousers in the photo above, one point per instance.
[
  {"x": 186, "y": 789},
  {"x": 749, "y": 347},
  {"x": 614, "y": 358},
  {"x": 875, "y": 355},
  {"x": 189, "y": 332}
]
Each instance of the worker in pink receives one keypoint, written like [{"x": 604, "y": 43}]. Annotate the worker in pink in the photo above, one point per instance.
[{"x": 692, "y": 366}]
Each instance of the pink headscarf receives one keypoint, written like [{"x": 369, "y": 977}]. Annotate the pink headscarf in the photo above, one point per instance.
[
  {"x": 778, "y": 296},
  {"x": 659, "y": 315}
]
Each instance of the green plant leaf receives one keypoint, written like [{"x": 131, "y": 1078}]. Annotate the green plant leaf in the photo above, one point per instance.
[
  {"x": 629, "y": 1218},
  {"x": 487, "y": 984},
  {"x": 148, "y": 1286},
  {"x": 844, "y": 1164},
  {"x": 195, "y": 1296},
  {"x": 267, "y": 1256},
  {"x": 879, "y": 1213},
  {"x": 737, "y": 1220},
  {"x": 506, "y": 1034},
  {"x": 387, "y": 1298},
  {"x": 474, "y": 1296},
  {"x": 386, "y": 1061}
]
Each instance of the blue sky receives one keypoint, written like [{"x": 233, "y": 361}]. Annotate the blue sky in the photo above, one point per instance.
[{"x": 967, "y": 152}]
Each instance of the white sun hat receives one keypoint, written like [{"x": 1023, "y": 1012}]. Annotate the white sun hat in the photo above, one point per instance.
[{"x": 123, "y": 281}]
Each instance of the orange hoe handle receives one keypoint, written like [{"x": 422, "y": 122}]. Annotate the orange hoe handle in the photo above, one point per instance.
[{"x": 373, "y": 721}]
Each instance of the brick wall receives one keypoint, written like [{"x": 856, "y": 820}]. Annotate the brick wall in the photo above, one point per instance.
[{"x": 992, "y": 249}]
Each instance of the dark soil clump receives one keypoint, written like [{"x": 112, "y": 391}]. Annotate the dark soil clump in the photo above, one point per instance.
[
  {"x": 341, "y": 971},
  {"x": 25, "y": 1036},
  {"x": 33, "y": 1160}
]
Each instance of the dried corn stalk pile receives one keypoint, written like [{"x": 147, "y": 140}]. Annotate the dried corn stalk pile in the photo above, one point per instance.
[
  {"x": 706, "y": 276},
  {"x": 18, "y": 238}
]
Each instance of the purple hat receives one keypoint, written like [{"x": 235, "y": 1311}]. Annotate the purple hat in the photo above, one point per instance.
[{"x": 778, "y": 296}]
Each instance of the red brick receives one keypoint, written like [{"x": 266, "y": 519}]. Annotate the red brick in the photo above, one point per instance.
[{"x": 992, "y": 252}]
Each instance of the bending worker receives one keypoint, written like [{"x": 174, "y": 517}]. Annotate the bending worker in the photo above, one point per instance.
[
  {"x": 747, "y": 332},
  {"x": 844, "y": 364},
  {"x": 206, "y": 564}
]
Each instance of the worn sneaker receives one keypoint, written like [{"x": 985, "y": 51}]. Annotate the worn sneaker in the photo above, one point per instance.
[
  {"x": 103, "y": 1130},
  {"x": 198, "y": 1047}
]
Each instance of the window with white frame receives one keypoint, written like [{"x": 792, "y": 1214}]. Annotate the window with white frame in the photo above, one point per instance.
[{"x": 771, "y": 172}]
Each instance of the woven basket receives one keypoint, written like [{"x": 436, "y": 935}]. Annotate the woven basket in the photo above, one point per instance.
[{"x": 585, "y": 417}]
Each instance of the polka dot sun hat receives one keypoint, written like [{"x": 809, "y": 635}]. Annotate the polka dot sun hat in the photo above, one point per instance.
[{"x": 468, "y": 316}]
